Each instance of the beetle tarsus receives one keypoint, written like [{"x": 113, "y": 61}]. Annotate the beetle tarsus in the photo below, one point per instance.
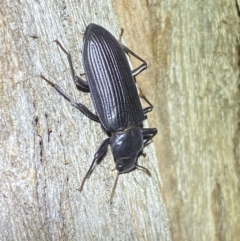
[
  {"x": 60, "y": 45},
  {"x": 120, "y": 35}
]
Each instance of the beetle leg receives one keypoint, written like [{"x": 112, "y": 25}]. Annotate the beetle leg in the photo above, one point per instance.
[
  {"x": 120, "y": 35},
  {"x": 139, "y": 69},
  {"x": 101, "y": 150},
  {"x": 79, "y": 106},
  {"x": 148, "y": 134},
  {"x": 150, "y": 107},
  {"x": 77, "y": 80}
]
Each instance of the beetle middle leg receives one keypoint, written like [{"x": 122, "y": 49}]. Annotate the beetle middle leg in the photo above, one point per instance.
[
  {"x": 79, "y": 106},
  {"x": 150, "y": 107},
  {"x": 83, "y": 85},
  {"x": 148, "y": 134}
]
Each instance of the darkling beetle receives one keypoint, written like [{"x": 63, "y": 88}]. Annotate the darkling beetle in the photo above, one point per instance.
[{"x": 114, "y": 94}]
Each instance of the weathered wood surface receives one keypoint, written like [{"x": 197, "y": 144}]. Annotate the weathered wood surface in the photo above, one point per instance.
[
  {"x": 192, "y": 48},
  {"x": 46, "y": 146}
]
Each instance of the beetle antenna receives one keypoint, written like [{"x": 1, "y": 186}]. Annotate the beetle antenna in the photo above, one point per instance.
[
  {"x": 144, "y": 169},
  {"x": 114, "y": 188}
]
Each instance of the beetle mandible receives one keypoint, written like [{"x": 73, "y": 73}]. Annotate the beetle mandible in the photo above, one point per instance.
[{"x": 115, "y": 98}]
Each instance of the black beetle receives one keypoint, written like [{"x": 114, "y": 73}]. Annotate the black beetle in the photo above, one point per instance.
[{"x": 114, "y": 94}]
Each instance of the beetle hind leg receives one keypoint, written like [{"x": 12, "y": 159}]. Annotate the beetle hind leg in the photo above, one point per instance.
[
  {"x": 79, "y": 82},
  {"x": 120, "y": 35},
  {"x": 139, "y": 69}
]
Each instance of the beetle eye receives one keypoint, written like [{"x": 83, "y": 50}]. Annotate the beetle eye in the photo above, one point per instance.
[{"x": 119, "y": 167}]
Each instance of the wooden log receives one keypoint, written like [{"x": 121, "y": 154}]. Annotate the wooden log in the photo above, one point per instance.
[
  {"x": 192, "y": 50},
  {"x": 47, "y": 145}
]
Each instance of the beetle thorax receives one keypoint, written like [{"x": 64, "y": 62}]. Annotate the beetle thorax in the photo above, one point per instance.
[{"x": 125, "y": 148}]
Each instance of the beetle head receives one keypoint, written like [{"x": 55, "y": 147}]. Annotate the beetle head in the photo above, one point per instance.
[{"x": 125, "y": 148}]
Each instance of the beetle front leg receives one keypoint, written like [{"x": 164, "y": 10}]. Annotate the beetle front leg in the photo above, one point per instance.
[
  {"x": 77, "y": 80},
  {"x": 139, "y": 69},
  {"x": 101, "y": 150},
  {"x": 148, "y": 134},
  {"x": 79, "y": 106}
]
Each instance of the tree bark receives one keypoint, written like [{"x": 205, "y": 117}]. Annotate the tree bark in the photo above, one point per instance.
[
  {"x": 192, "y": 49},
  {"x": 47, "y": 145}
]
